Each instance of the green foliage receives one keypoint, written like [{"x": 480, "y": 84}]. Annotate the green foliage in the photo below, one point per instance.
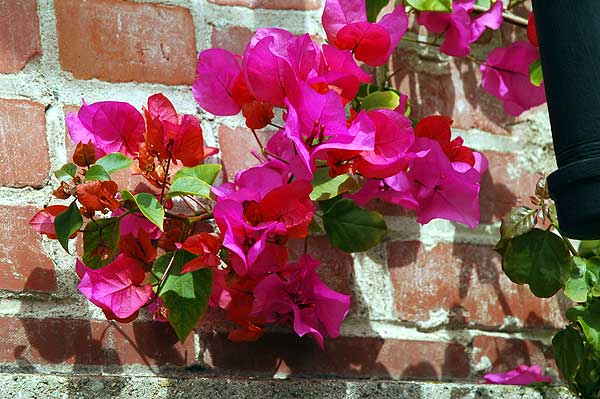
[
  {"x": 589, "y": 249},
  {"x": 431, "y": 5},
  {"x": 148, "y": 205},
  {"x": 538, "y": 258},
  {"x": 587, "y": 381},
  {"x": 325, "y": 187},
  {"x": 66, "y": 172},
  {"x": 588, "y": 318},
  {"x": 350, "y": 228},
  {"x": 101, "y": 242},
  {"x": 205, "y": 172},
  {"x": 189, "y": 186},
  {"x": 67, "y": 223},
  {"x": 569, "y": 352},
  {"x": 374, "y": 7},
  {"x": 535, "y": 73},
  {"x": 381, "y": 99},
  {"x": 583, "y": 280},
  {"x": 185, "y": 295},
  {"x": 114, "y": 162},
  {"x": 97, "y": 172},
  {"x": 519, "y": 221}
]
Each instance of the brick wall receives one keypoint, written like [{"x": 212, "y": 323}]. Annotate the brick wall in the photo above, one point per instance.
[{"x": 430, "y": 302}]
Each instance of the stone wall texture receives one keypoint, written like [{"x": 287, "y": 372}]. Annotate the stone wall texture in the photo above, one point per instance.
[{"x": 431, "y": 302}]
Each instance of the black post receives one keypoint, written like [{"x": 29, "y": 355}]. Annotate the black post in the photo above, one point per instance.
[{"x": 569, "y": 39}]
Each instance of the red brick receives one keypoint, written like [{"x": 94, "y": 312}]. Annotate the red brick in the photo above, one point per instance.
[
  {"x": 500, "y": 191},
  {"x": 336, "y": 268},
  {"x": 273, "y": 4},
  {"x": 507, "y": 354},
  {"x": 23, "y": 264},
  {"x": 449, "y": 88},
  {"x": 122, "y": 41},
  {"x": 467, "y": 281},
  {"x": 67, "y": 341},
  {"x": 385, "y": 208},
  {"x": 232, "y": 38},
  {"x": 236, "y": 146},
  {"x": 24, "y": 159},
  {"x": 342, "y": 357},
  {"x": 19, "y": 34}
]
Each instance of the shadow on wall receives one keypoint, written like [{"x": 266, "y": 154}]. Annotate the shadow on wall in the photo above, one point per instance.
[
  {"x": 86, "y": 345},
  {"x": 436, "y": 83}
]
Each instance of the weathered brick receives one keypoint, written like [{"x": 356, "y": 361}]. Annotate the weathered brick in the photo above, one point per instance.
[
  {"x": 121, "y": 41},
  {"x": 500, "y": 189},
  {"x": 23, "y": 264},
  {"x": 232, "y": 38},
  {"x": 19, "y": 34},
  {"x": 24, "y": 159},
  {"x": 467, "y": 281},
  {"x": 273, "y": 4},
  {"x": 449, "y": 88},
  {"x": 68, "y": 341},
  {"x": 236, "y": 149},
  {"x": 507, "y": 354},
  {"x": 342, "y": 357}
]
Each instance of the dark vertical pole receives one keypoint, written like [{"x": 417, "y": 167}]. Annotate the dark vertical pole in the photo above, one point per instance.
[{"x": 569, "y": 39}]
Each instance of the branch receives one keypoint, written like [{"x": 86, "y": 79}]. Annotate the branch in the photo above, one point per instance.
[{"x": 164, "y": 184}]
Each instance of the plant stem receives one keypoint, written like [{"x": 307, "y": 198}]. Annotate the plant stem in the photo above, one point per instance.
[
  {"x": 277, "y": 157},
  {"x": 262, "y": 148},
  {"x": 381, "y": 74},
  {"x": 162, "y": 190},
  {"x": 190, "y": 219},
  {"x": 200, "y": 204},
  {"x": 565, "y": 239},
  {"x": 163, "y": 278}
]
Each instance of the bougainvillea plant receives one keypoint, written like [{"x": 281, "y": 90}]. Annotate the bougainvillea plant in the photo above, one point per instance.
[
  {"x": 535, "y": 252},
  {"x": 183, "y": 242}
]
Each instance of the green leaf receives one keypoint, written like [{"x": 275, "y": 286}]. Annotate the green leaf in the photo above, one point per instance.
[
  {"x": 535, "y": 73},
  {"x": 483, "y": 3},
  {"x": 588, "y": 318},
  {"x": 66, "y": 172},
  {"x": 114, "y": 161},
  {"x": 431, "y": 5},
  {"x": 101, "y": 242},
  {"x": 67, "y": 223},
  {"x": 352, "y": 229},
  {"x": 519, "y": 221},
  {"x": 584, "y": 276},
  {"x": 205, "y": 172},
  {"x": 374, "y": 7},
  {"x": 588, "y": 376},
  {"x": 538, "y": 258},
  {"x": 189, "y": 186},
  {"x": 148, "y": 205},
  {"x": 325, "y": 187},
  {"x": 569, "y": 352},
  {"x": 96, "y": 172},
  {"x": 588, "y": 249},
  {"x": 366, "y": 89},
  {"x": 185, "y": 295},
  {"x": 381, "y": 99}
]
